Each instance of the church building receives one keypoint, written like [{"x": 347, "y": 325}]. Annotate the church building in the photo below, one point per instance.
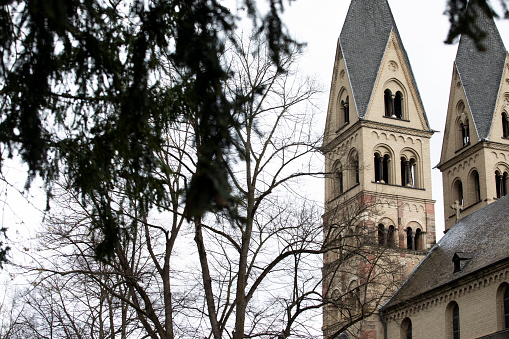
[{"x": 379, "y": 220}]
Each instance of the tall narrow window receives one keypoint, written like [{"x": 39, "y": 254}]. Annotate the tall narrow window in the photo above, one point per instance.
[
  {"x": 389, "y": 103},
  {"x": 505, "y": 125},
  {"x": 378, "y": 167},
  {"x": 456, "y": 322},
  {"x": 381, "y": 235},
  {"x": 382, "y": 168},
  {"x": 409, "y": 238},
  {"x": 418, "y": 239},
  {"x": 458, "y": 192},
  {"x": 338, "y": 180},
  {"x": 501, "y": 183},
  {"x": 398, "y": 105},
  {"x": 356, "y": 169},
  {"x": 390, "y": 236},
  {"x": 477, "y": 187},
  {"x": 406, "y": 329},
  {"x": 506, "y": 307},
  {"x": 465, "y": 133},
  {"x": 346, "y": 111},
  {"x": 408, "y": 172}
]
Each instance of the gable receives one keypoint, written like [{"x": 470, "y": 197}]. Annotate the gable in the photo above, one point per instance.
[
  {"x": 395, "y": 79},
  {"x": 363, "y": 40},
  {"x": 458, "y": 116},
  {"x": 340, "y": 98},
  {"x": 481, "y": 72}
]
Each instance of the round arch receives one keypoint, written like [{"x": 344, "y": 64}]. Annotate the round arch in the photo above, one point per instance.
[
  {"x": 399, "y": 106},
  {"x": 411, "y": 168}
]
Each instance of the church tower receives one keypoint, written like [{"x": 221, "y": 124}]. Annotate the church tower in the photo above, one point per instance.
[
  {"x": 377, "y": 156},
  {"x": 475, "y": 149}
]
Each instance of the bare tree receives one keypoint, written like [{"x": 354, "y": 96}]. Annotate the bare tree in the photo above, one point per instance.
[{"x": 256, "y": 268}]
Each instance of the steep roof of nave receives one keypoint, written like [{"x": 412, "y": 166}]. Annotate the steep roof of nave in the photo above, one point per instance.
[
  {"x": 363, "y": 41},
  {"x": 481, "y": 72},
  {"x": 481, "y": 237}
]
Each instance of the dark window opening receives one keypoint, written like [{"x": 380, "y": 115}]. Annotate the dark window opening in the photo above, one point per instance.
[
  {"x": 409, "y": 330},
  {"x": 458, "y": 192},
  {"x": 506, "y": 307},
  {"x": 340, "y": 181},
  {"x": 505, "y": 125},
  {"x": 398, "y": 104},
  {"x": 477, "y": 187},
  {"x": 390, "y": 236},
  {"x": 409, "y": 238},
  {"x": 389, "y": 103},
  {"x": 407, "y": 172},
  {"x": 418, "y": 239},
  {"x": 465, "y": 133},
  {"x": 460, "y": 260},
  {"x": 346, "y": 111},
  {"x": 456, "y": 322},
  {"x": 501, "y": 183},
  {"x": 381, "y": 235},
  {"x": 356, "y": 169},
  {"x": 382, "y": 168}
]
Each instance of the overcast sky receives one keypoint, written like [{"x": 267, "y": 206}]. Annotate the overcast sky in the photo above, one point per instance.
[{"x": 422, "y": 27}]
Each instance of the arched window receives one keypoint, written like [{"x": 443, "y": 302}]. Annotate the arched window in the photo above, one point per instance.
[
  {"x": 409, "y": 238},
  {"x": 463, "y": 126},
  {"x": 465, "y": 133},
  {"x": 506, "y": 307},
  {"x": 503, "y": 307},
  {"x": 456, "y": 322},
  {"x": 346, "y": 110},
  {"x": 381, "y": 235},
  {"x": 476, "y": 186},
  {"x": 354, "y": 163},
  {"x": 382, "y": 168},
  {"x": 457, "y": 192},
  {"x": 398, "y": 105},
  {"x": 505, "y": 125},
  {"x": 338, "y": 183},
  {"x": 390, "y": 236},
  {"x": 452, "y": 320},
  {"x": 418, "y": 239},
  {"x": 354, "y": 297},
  {"x": 408, "y": 172},
  {"x": 501, "y": 183},
  {"x": 406, "y": 329},
  {"x": 389, "y": 103}
]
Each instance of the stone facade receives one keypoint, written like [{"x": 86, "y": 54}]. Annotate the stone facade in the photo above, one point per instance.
[
  {"x": 379, "y": 217},
  {"x": 475, "y": 148},
  {"x": 480, "y": 302},
  {"x": 379, "y": 220}
]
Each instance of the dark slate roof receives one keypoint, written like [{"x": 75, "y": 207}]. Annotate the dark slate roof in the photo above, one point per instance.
[
  {"x": 481, "y": 73},
  {"x": 483, "y": 235},
  {"x": 363, "y": 40}
]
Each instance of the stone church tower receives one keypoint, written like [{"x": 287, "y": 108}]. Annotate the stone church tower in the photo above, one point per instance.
[
  {"x": 475, "y": 150},
  {"x": 377, "y": 156}
]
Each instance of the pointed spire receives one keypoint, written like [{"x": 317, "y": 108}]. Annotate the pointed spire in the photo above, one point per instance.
[
  {"x": 481, "y": 72},
  {"x": 363, "y": 41}
]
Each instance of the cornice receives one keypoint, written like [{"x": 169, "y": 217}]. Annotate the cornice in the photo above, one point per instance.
[
  {"x": 374, "y": 125},
  {"x": 334, "y": 204},
  {"x": 452, "y": 290},
  {"x": 469, "y": 151}
]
